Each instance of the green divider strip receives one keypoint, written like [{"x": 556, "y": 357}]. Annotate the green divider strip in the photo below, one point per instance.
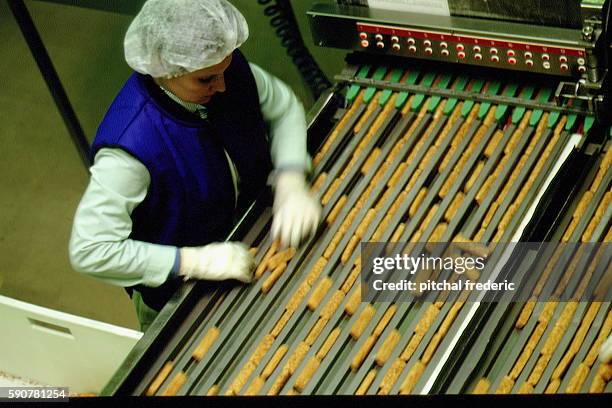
[
  {"x": 396, "y": 75},
  {"x": 519, "y": 111},
  {"x": 501, "y": 110},
  {"x": 452, "y": 102},
  {"x": 353, "y": 90},
  {"x": 553, "y": 117},
  {"x": 468, "y": 104},
  {"x": 419, "y": 98},
  {"x": 435, "y": 100},
  {"x": 537, "y": 114},
  {"x": 485, "y": 106},
  {"x": 371, "y": 91},
  {"x": 588, "y": 123},
  {"x": 402, "y": 97}
]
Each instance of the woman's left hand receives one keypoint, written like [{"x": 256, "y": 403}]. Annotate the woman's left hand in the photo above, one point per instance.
[{"x": 296, "y": 211}]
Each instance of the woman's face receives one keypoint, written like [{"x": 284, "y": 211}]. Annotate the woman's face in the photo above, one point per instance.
[{"x": 198, "y": 86}]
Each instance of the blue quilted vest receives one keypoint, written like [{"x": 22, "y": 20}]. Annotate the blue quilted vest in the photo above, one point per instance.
[{"x": 191, "y": 199}]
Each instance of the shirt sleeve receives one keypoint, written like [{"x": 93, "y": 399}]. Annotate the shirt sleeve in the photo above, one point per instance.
[
  {"x": 99, "y": 244},
  {"x": 285, "y": 116}
]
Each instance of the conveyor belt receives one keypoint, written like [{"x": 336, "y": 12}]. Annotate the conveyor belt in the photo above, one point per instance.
[
  {"x": 552, "y": 347},
  {"x": 397, "y": 167}
]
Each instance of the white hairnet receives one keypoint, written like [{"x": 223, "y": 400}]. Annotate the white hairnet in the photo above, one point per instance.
[{"x": 169, "y": 38}]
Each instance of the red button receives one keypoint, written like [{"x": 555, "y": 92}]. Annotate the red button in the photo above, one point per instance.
[
  {"x": 563, "y": 58},
  {"x": 461, "y": 55},
  {"x": 365, "y": 43},
  {"x": 545, "y": 57},
  {"x": 528, "y": 55},
  {"x": 363, "y": 36},
  {"x": 493, "y": 51},
  {"x": 512, "y": 61},
  {"x": 478, "y": 57},
  {"x": 494, "y": 58},
  {"x": 460, "y": 47},
  {"x": 476, "y": 48},
  {"x": 529, "y": 63},
  {"x": 510, "y": 53}
]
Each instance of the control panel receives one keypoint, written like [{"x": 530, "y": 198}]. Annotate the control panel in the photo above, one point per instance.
[{"x": 470, "y": 49}]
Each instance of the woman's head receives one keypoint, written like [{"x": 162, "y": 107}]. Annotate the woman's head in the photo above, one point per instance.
[{"x": 175, "y": 38}]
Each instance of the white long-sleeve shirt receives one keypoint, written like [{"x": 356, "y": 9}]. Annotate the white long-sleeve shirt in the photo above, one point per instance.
[{"x": 99, "y": 243}]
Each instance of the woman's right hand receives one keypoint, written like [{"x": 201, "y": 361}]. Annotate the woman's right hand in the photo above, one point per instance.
[{"x": 217, "y": 261}]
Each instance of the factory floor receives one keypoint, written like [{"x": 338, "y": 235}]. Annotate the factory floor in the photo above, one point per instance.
[{"x": 42, "y": 175}]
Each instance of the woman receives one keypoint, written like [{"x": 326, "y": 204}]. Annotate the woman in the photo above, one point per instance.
[{"x": 192, "y": 137}]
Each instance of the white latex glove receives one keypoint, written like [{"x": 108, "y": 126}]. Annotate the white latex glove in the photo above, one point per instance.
[
  {"x": 605, "y": 352},
  {"x": 296, "y": 211},
  {"x": 217, "y": 261}
]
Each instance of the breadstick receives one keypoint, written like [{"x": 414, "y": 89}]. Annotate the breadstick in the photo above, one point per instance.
[
  {"x": 350, "y": 279},
  {"x": 454, "y": 206},
  {"x": 411, "y": 379},
  {"x": 297, "y": 357},
  {"x": 387, "y": 347},
  {"x": 253, "y": 251},
  {"x": 527, "y": 350},
  {"x": 384, "y": 321},
  {"x": 161, "y": 377},
  {"x": 175, "y": 385},
  {"x": 605, "y": 371},
  {"x": 242, "y": 377},
  {"x": 331, "y": 190},
  {"x": 553, "y": 386},
  {"x": 262, "y": 349},
  {"x": 363, "y": 352},
  {"x": 538, "y": 370},
  {"x": 316, "y": 270},
  {"x": 414, "y": 342},
  {"x": 319, "y": 293},
  {"x": 311, "y": 367},
  {"x": 281, "y": 323},
  {"x": 525, "y": 314},
  {"x": 362, "y": 322},
  {"x": 264, "y": 262},
  {"x": 273, "y": 363},
  {"x": 214, "y": 390},
  {"x": 577, "y": 379},
  {"x": 366, "y": 383},
  {"x": 281, "y": 258},
  {"x": 431, "y": 348},
  {"x": 559, "y": 329},
  {"x": 333, "y": 214},
  {"x": 329, "y": 342},
  {"x": 598, "y": 385},
  {"x": 273, "y": 277},
  {"x": 391, "y": 376},
  {"x": 332, "y": 305},
  {"x": 505, "y": 386},
  {"x": 353, "y": 303},
  {"x": 297, "y": 297},
  {"x": 497, "y": 136},
  {"x": 207, "y": 341},
  {"x": 318, "y": 182},
  {"x": 525, "y": 388},
  {"x": 315, "y": 331},
  {"x": 450, "y": 318},
  {"x": 401, "y": 169},
  {"x": 417, "y": 202},
  {"x": 363, "y": 226},
  {"x": 367, "y": 165},
  {"x": 350, "y": 247},
  {"x": 255, "y": 386},
  {"x": 279, "y": 382},
  {"x": 547, "y": 312},
  {"x": 482, "y": 387},
  {"x": 427, "y": 320}
]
